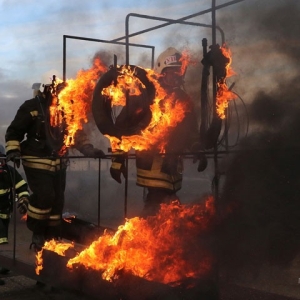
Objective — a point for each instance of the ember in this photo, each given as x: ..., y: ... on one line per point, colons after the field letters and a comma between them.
x: 166, y: 248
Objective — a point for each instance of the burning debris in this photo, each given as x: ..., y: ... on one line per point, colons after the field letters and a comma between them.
x: 169, y: 248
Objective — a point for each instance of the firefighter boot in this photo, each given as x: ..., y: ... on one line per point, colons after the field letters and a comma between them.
x: 4, y: 271
x: 38, y: 241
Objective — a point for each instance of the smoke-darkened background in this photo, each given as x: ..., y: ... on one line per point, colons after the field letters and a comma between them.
x: 260, y: 192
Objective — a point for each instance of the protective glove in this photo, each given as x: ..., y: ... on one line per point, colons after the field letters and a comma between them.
x: 90, y: 151
x: 23, y: 205
x: 202, y: 162
x: 199, y: 157
x: 14, y: 156
x: 118, y: 166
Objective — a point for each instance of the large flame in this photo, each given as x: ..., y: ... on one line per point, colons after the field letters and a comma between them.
x: 224, y: 95
x: 52, y: 245
x: 166, y: 110
x: 74, y: 101
x: 166, y: 248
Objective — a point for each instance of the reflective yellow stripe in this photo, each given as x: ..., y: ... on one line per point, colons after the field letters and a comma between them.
x: 34, y: 113
x: 4, y: 216
x: 116, y: 165
x: 36, y: 216
x: 37, y: 213
x: 55, y: 217
x: 3, y: 192
x: 159, y: 180
x: 158, y: 175
x: 12, y: 145
x: 54, y: 220
x: 20, y: 183
x: 41, y: 163
x: 3, y: 240
x: 39, y: 210
x: 23, y: 194
x: 159, y: 184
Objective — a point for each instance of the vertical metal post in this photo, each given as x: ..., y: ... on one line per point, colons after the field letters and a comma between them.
x: 216, y: 178
x: 64, y: 57
x: 99, y: 189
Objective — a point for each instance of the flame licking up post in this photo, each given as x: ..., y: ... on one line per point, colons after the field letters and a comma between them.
x: 224, y: 95
x: 165, y: 248
x: 74, y: 101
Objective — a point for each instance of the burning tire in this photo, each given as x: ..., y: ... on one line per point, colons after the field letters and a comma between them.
x: 135, y: 114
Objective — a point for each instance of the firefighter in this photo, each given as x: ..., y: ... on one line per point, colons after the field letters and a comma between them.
x: 45, y: 169
x: 12, y: 185
x: 160, y: 174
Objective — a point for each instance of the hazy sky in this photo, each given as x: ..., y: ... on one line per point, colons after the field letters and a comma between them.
x: 31, y: 34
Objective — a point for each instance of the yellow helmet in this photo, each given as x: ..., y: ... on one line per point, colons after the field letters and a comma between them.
x: 168, y: 59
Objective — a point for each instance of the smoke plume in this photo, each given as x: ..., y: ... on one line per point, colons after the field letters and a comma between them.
x: 260, y: 195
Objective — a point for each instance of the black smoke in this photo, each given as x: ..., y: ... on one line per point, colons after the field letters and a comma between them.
x: 259, y: 200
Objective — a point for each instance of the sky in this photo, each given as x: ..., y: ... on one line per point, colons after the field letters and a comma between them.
x: 262, y: 36
x: 32, y: 38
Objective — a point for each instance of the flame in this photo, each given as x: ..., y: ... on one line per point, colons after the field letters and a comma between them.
x: 224, y: 95
x: 52, y: 245
x: 24, y: 217
x: 74, y: 101
x: 125, y: 82
x: 39, y: 262
x: 69, y: 218
x: 164, y: 248
x: 167, y: 112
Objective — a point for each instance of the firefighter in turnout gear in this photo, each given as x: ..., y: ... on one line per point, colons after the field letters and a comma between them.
x: 12, y: 185
x: 44, y: 167
x: 161, y: 174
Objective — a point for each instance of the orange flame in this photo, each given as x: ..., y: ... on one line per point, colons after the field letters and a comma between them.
x: 224, y: 95
x: 126, y: 81
x: 157, y: 248
x: 52, y: 245
x: 74, y: 101
x: 166, y: 111
x: 24, y: 217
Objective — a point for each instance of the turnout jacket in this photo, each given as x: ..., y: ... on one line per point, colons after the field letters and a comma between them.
x: 165, y: 171
x: 27, y: 134
x: 29, y: 123
x: 8, y: 175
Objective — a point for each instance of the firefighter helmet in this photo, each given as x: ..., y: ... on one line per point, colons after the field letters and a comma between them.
x: 36, y: 88
x: 168, y: 59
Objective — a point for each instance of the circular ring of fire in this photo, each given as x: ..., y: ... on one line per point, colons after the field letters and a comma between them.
x: 138, y: 94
